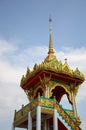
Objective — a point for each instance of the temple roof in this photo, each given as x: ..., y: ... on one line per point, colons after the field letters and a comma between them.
x: 52, y: 64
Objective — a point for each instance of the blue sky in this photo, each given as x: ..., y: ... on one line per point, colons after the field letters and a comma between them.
x: 24, y: 38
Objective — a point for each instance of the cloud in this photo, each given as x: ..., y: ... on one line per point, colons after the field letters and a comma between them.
x: 76, y: 57
x: 9, y: 74
x: 10, y: 96
x: 30, y: 56
x: 5, y: 46
x: 83, y: 125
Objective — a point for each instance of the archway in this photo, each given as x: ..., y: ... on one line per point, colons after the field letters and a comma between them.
x: 58, y: 92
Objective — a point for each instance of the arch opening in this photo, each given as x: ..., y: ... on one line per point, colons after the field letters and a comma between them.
x: 58, y: 92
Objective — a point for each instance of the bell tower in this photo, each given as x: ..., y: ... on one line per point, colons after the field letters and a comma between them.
x: 44, y: 87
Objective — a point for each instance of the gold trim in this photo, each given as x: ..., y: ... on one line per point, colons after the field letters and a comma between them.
x: 47, y: 110
x: 20, y: 120
x: 47, y: 103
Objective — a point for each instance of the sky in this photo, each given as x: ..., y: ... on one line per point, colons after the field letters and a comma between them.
x: 24, y: 39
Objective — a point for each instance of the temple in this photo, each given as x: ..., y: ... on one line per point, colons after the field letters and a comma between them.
x: 44, y: 87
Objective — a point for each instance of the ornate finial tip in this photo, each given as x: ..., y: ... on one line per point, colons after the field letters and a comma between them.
x: 65, y: 60
x: 50, y: 19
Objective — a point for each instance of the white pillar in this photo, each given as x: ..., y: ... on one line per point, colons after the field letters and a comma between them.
x: 38, y: 118
x: 74, y: 105
x: 55, y: 121
x: 29, y: 121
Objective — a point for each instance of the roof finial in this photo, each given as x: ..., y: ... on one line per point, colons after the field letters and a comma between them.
x: 65, y: 60
x: 51, y: 51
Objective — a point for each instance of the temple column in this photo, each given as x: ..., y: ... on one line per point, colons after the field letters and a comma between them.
x: 74, y: 105
x: 55, y: 121
x: 38, y: 114
x: 55, y: 125
x: 38, y: 118
x: 29, y: 121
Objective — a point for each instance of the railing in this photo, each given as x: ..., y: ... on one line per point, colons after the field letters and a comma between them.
x: 25, y: 109
x: 67, y: 117
x: 48, y: 103
x: 70, y: 113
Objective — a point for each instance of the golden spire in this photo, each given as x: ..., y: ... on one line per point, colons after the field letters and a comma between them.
x: 51, y: 51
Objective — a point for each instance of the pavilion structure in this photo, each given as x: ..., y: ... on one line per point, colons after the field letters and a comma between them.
x: 44, y: 86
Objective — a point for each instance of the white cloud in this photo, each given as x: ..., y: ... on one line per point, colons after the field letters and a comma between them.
x: 8, y: 73
x: 31, y: 55
x: 76, y: 57
x: 83, y: 125
x: 81, y: 93
x: 5, y: 46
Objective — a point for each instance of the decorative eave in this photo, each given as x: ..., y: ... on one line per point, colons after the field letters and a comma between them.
x: 54, y: 68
